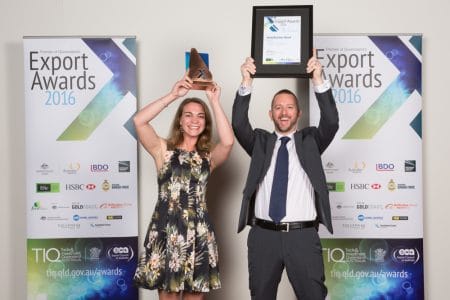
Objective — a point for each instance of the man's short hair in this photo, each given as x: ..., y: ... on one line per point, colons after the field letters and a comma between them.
x: 286, y: 91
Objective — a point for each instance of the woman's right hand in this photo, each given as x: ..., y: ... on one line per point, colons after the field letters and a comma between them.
x: 182, y: 87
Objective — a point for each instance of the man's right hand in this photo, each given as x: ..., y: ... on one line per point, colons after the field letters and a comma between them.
x: 248, y: 69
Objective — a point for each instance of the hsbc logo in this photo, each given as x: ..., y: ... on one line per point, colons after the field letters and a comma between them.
x: 376, y: 186
x: 359, y: 186
x: 80, y: 187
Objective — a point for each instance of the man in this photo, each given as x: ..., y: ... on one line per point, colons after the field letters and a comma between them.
x: 286, y: 195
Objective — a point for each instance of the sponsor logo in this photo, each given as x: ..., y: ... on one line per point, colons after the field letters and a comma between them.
x: 77, y: 205
x: 37, y: 206
x: 378, y: 255
x: 338, y: 186
x: 402, y: 186
x: 359, y: 186
x: 405, y: 255
x: 100, y: 225
x: 44, y: 169
x: 330, y: 168
x: 410, y: 165
x: 381, y: 226
x: 120, y: 253
x: 341, y: 206
x: 115, y: 217
x: 69, y: 226
x: 53, y: 218
x: 116, y: 186
x: 399, y: 205
x: 114, y: 205
x: 52, y: 187
x: 124, y: 166
x: 357, y: 167
x: 375, y: 186
x: 354, y: 226
x: 80, y: 187
x: 99, y: 168
x: 399, y: 218
x: 341, y: 218
x: 92, y: 253
x: 363, y: 205
x: 72, y: 168
x: 392, y: 186
x: 364, y: 217
x: 77, y: 218
x: 381, y: 167
x: 106, y: 185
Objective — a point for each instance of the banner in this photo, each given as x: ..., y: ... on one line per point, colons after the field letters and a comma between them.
x: 81, y: 158
x: 374, y: 166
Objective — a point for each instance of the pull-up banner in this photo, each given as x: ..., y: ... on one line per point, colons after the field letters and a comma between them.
x: 81, y: 167
x: 374, y: 166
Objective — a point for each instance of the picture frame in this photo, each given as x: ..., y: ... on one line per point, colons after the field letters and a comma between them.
x: 282, y: 40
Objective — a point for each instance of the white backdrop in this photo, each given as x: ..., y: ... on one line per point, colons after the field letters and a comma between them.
x: 164, y: 31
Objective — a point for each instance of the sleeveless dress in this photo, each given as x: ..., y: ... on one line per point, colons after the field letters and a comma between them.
x: 180, y: 246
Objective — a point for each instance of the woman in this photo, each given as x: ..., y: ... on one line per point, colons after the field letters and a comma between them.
x: 180, y: 258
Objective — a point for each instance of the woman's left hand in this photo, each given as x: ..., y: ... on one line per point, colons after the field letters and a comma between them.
x: 213, y: 92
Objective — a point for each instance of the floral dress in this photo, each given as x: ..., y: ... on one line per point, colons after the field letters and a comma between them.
x: 180, y: 246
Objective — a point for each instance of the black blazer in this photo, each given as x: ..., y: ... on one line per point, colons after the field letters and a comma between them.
x: 310, y: 143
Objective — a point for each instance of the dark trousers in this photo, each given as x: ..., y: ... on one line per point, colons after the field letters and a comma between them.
x: 299, y: 251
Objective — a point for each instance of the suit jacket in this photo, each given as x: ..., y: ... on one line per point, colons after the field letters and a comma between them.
x: 310, y: 143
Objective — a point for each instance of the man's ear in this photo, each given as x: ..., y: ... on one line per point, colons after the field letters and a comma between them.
x: 270, y: 115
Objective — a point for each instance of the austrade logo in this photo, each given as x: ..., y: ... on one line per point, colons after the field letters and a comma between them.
x: 44, y: 169
x: 338, y: 186
x: 120, y: 253
x: 410, y: 166
x: 52, y: 187
x: 405, y: 255
x: 385, y: 167
x: 99, y: 168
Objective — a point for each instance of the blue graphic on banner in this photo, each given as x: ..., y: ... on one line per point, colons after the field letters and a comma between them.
x: 122, y: 82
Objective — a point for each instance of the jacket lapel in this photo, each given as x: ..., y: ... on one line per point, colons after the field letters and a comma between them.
x: 272, y: 139
x: 299, y: 145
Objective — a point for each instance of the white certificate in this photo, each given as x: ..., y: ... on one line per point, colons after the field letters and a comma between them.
x: 281, y: 42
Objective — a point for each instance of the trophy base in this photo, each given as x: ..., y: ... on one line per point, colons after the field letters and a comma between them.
x: 201, y: 85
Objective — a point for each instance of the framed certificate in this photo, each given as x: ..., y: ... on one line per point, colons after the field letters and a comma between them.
x: 282, y: 40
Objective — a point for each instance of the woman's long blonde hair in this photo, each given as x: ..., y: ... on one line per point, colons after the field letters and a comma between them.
x: 175, y: 138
